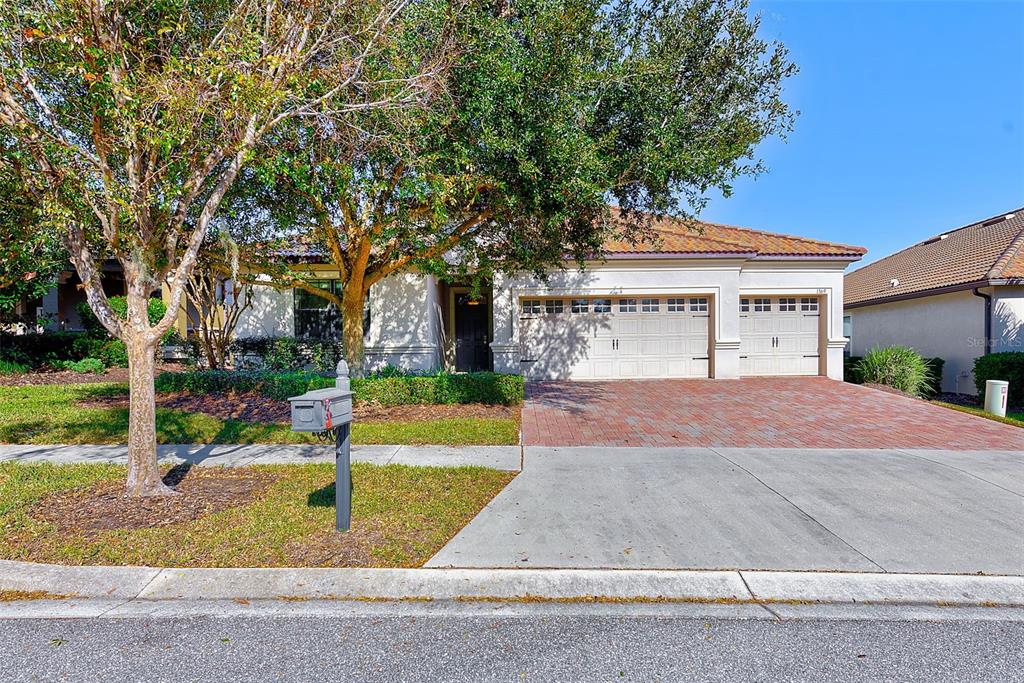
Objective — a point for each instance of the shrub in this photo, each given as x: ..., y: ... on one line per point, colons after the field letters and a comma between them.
x: 277, y: 385
x: 443, y: 388
x: 286, y: 353
x: 935, y: 367
x: 477, y: 387
x: 93, y: 327
x: 39, y: 349
x: 851, y: 370
x: 1005, y: 365
x: 8, y: 367
x: 112, y: 352
x: 899, y: 367
x: 92, y: 365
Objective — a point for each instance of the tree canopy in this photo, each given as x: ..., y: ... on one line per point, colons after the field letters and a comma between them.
x: 553, y: 110
x: 132, y: 120
x: 31, y: 253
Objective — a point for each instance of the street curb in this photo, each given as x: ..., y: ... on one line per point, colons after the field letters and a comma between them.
x: 513, y: 585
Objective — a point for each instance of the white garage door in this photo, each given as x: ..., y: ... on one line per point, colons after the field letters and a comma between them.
x: 779, y: 335
x: 614, y: 338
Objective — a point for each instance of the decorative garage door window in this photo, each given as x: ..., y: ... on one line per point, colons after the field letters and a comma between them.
x: 787, y: 304
x: 580, y: 305
x: 744, y: 305
x: 627, y: 305
x: 554, y: 306
x: 677, y: 305
x: 650, y: 305
x: 602, y: 305
x: 809, y: 303
x: 699, y: 305
x: 531, y: 306
x: 762, y: 305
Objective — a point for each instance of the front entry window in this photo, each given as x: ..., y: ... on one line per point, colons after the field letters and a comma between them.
x: 315, y: 316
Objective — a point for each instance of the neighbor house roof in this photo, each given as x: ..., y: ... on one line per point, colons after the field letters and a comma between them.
x: 675, y: 237
x: 987, y: 252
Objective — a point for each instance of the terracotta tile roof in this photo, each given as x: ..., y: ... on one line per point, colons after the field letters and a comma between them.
x: 697, y: 237
x: 992, y: 249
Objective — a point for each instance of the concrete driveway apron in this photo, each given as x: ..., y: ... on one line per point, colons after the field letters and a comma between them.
x: 852, y: 510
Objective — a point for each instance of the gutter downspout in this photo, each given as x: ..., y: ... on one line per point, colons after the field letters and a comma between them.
x: 988, y: 316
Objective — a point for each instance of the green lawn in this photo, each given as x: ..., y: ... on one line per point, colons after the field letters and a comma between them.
x: 50, y: 414
x: 401, y: 516
x: 1012, y: 418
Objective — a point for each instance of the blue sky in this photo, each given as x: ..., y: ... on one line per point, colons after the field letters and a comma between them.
x: 912, y: 122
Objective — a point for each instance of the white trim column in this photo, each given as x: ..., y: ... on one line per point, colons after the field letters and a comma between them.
x: 504, y: 345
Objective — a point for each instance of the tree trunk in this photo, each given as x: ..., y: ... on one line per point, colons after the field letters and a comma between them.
x: 353, y: 300
x: 143, y: 471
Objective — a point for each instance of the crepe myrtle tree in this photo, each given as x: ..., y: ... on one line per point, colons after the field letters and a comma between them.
x: 554, y: 109
x: 131, y: 121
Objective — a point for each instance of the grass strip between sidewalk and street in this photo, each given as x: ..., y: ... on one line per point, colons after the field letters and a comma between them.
x: 50, y: 414
x: 261, y: 516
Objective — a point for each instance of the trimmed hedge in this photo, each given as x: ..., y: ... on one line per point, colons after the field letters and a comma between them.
x: 1005, y: 365
x: 443, y: 388
x: 277, y: 385
x: 285, y: 353
x: 36, y: 350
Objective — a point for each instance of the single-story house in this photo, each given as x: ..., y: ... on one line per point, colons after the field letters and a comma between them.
x: 723, y: 303
x: 956, y: 296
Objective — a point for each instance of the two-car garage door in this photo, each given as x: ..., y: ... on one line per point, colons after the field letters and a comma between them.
x: 649, y: 337
x: 615, y: 338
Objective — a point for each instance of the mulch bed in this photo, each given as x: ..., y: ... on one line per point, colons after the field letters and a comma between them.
x: 39, y: 377
x: 254, y: 407
x: 203, y: 491
x: 960, y: 400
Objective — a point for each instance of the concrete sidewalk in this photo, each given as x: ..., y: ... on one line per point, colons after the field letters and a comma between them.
x: 496, y: 457
x: 952, y: 512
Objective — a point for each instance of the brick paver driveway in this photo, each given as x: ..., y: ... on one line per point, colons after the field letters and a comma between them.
x: 766, y: 412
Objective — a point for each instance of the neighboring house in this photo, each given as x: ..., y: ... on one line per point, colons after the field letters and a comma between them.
x: 955, y: 296
x: 724, y: 303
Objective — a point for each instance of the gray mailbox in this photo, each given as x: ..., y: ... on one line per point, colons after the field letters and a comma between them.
x: 321, y: 410
x: 329, y: 412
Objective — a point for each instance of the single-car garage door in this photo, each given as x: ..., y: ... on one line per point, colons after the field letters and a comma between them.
x: 614, y: 338
x: 779, y: 335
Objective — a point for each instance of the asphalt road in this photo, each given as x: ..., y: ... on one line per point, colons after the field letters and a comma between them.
x: 541, y: 646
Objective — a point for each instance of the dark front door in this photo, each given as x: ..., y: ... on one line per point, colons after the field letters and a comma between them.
x: 472, y: 352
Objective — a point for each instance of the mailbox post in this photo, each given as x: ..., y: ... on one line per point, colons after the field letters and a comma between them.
x: 328, y: 412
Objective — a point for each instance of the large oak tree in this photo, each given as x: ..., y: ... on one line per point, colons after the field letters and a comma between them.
x: 555, y: 108
x: 131, y: 119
